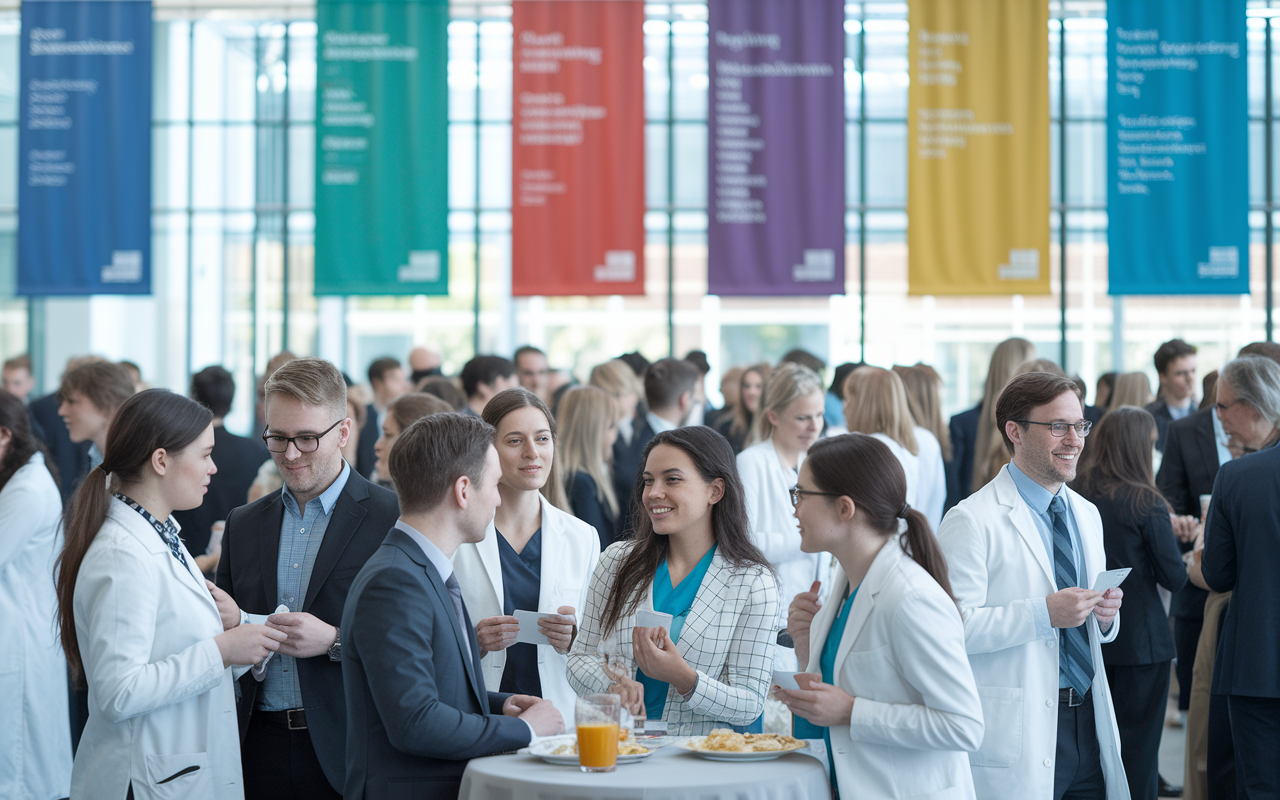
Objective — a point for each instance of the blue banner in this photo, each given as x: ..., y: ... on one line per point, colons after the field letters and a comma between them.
x: 84, y: 148
x: 1177, y: 147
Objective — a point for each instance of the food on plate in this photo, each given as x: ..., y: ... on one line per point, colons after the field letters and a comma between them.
x: 624, y: 749
x: 722, y: 740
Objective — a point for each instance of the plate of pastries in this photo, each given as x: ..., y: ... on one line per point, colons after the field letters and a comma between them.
x: 723, y: 744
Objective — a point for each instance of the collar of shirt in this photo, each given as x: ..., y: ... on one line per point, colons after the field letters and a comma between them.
x: 163, y: 528
x: 1033, y: 493
x: 1220, y: 439
x: 1182, y: 411
x: 95, y: 456
x: 328, y: 498
x: 658, y: 423
x: 434, y: 554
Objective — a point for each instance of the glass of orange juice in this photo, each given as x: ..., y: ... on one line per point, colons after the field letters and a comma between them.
x: 597, y: 717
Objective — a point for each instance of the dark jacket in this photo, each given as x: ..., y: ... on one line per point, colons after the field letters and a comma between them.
x: 1160, y: 410
x: 627, y: 467
x: 964, y: 435
x: 416, y: 711
x: 238, y: 459
x: 584, y: 501
x: 71, y: 459
x: 1142, y: 540
x: 1187, y: 471
x: 247, y: 572
x: 366, y: 456
x: 1242, y: 556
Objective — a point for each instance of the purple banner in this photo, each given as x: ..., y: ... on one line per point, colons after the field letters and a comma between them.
x: 776, y: 215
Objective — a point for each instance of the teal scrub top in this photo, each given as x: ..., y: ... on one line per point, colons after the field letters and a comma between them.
x: 676, y: 601
x: 803, y: 728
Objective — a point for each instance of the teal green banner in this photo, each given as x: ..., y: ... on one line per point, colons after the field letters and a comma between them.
x: 381, y: 147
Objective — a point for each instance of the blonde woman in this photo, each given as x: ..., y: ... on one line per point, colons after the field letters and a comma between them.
x: 875, y: 403
x: 589, y: 426
x: 1132, y: 389
x: 737, y: 425
x: 974, y: 433
x: 790, y: 420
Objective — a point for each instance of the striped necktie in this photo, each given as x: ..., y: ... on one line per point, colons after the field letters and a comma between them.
x: 1076, y: 662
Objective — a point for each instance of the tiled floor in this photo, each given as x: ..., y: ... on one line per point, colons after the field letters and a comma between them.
x: 1172, y: 751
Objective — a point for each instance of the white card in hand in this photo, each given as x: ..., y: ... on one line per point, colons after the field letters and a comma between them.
x: 653, y: 619
x: 529, y: 631
x: 259, y: 670
x: 785, y: 680
x: 1110, y: 579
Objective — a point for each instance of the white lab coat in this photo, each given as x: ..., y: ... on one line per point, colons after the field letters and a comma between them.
x: 1000, y: 572
x: 902, y: 656
x: 570, y: 550
x: 160, y: 700
x: 926, y: 474
x: 35, y: 734
x: 774, y: 529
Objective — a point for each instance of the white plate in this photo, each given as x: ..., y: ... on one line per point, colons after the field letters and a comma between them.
x: 543, y: 750
x: 691, y: 744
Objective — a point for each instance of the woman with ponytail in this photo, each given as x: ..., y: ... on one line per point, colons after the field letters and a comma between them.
x: 138, y: 623
x: 888, y: 684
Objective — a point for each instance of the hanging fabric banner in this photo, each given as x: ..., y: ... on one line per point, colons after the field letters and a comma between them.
x: 577, y: 211
x: 978, y: 147
x: 1177, y: 147
x: 84, y: 148
x: 776, y: 201
x: 382, y: 161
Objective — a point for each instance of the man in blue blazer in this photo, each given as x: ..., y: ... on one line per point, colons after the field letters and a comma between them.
x: 1242, y: 556
x: 417, y: 707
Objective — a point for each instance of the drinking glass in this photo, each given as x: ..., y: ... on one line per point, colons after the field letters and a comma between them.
x: 597, y: 717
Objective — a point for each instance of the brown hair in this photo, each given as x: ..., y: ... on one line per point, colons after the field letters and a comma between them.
x: 1004, y: 363
x: 23, y: 444
x: 923, y: 385
x: 431, y: 454
x: 1209, y: 390
x: 509, y: 400
x: 310, y: 381
x: 151, y: 420
x: 102, y: 383
x: 875, y: 401
x: 1027, y: 392
x: 667, y: 380
x: 410, y: 407
x: 444, y: 388
x: 712, y: 458
x: 865, y: 470
x: 1118, y: 459
x: 743, y: 417
x: 998, y: 456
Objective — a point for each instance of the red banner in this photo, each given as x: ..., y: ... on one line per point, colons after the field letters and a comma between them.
x: 578, y: 163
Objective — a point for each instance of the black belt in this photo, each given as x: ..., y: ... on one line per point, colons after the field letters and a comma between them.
x: 295, y: 719
x: 1070, y: 697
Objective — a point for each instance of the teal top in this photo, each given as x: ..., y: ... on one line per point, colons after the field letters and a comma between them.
x: 804, y: 729
x: 676, y: 601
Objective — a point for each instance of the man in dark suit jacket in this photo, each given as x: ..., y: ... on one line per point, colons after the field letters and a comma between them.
x: 386, y: 378
x: 1242, y: 556
x: 417, y: 705
x: 301, y: 548
x: 1175, y: 362
x: 964, y: 435
x: 1187, y: 471
x: 238, y: 459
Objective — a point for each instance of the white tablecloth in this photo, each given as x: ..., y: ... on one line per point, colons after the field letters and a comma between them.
x: 671, y: 774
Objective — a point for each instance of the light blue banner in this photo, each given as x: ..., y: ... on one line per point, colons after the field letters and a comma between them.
x: 1177, y: 147
x: 84, y: 148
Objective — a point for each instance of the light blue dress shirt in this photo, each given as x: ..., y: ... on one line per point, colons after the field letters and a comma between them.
x: 301, y: 533
x: 659, y: 424
x: 1038, y: 499
x: 1220, y: 439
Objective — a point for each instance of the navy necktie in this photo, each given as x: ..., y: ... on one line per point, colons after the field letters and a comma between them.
x: 1076, y: 662
x: 455, y: 594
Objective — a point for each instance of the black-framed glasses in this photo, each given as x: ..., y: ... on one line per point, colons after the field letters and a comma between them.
x: 796, y: 493
x: 1060, y: 429
x: 306, y: 443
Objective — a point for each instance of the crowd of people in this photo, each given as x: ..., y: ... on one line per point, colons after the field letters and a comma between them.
x: 340, y: 607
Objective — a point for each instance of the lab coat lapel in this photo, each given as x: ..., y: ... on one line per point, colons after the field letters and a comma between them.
x: 552, y: 552
x: 820, y: 628
x: 487, y: 549
x: 865, y: 600
x: 150, y: 538
x: 1022, y: 521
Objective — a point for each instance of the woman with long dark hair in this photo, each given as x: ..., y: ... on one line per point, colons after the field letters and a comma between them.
x: 534, y: 557
x: 888, y: 683
x: 692, y: 558
x: 1115, y: 474
x: 138, y: 623
x: 34, y: 702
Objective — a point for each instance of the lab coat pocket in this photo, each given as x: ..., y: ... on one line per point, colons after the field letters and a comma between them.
x: 1002, y: 742
x: 182, y: 775
x: 872, y: 674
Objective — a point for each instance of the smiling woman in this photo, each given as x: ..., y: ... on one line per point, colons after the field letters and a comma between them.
x: 691, y: 558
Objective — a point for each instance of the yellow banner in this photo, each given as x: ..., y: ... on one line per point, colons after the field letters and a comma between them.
x: 978, y: 147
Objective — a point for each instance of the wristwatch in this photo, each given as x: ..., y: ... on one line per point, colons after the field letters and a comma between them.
x: 335, y: 651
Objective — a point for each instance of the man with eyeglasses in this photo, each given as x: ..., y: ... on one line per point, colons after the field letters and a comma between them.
x: 1023, y: 554
x: 300, y: 548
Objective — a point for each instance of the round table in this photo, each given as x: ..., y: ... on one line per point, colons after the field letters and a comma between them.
x: 671, y: 774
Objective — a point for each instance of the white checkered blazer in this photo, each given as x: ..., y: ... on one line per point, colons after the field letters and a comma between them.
x: 729, y: 638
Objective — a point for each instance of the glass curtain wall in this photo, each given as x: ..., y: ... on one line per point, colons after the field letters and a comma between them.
x: 233, y: 215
